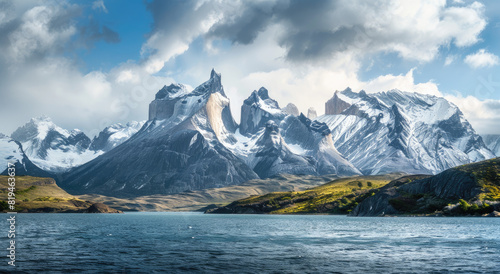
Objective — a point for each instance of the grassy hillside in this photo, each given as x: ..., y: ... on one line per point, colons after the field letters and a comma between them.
x: 339, y: 196
x: 472, y: 189
x: 34, y: 194
x: 196, y: 200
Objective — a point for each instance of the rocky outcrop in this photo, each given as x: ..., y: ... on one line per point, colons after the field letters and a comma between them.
x: 426, y: 194
x: 291, y: 109
x: 180, y: 153
x: 417, y: 133
x: 101, y: 208
x: 257, y: 110
x: 335, y: 105
x: 274, y: 157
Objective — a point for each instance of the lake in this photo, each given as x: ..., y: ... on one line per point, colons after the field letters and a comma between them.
x: 199, y: 243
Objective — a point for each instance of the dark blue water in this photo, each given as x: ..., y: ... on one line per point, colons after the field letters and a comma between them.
x: 197, y: 243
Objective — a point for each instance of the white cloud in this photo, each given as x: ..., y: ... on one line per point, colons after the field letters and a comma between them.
x: 99, y: 5
x: 482, y: 114
x: 481, y: 59
x: 414, y: 30
x: 35, y: 35
x: 449, y: 60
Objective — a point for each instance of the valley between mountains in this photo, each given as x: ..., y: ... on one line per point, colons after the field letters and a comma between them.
x: 191, y: 154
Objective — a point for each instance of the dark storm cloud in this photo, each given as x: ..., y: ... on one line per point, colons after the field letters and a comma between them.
x: 251, y: 19
x: 93, y: 32
x: 167, y: 14
x: 307, y: 45
x: 309, y: 33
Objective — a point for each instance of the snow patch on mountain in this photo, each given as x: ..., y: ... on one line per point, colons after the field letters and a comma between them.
x: 394, y: 130
x: 10, y: 152
x: 492, y: 141
x: 114, y: 135
x: 53, y: 148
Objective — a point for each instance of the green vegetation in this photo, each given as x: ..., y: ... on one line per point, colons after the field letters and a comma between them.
x: 339, y: 196
x: 35, y: 194
x: 487, y: 175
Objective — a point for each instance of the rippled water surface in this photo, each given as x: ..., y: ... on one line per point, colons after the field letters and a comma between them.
x: 198, y: 243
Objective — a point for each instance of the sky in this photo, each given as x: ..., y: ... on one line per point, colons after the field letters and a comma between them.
x: 90, y: 64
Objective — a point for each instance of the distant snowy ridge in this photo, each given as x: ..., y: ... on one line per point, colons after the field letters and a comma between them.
x: 492, y: 141
x: 401, y: 131
x: 55, y: 149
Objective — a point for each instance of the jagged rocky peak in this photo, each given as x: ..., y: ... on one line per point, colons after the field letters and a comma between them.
x: 336, y: 105
x: 274, y: 157
x: 311, y: 113
x: 184, y: 150
x: 257, y: 109
x: 175, y: 101
x: 315, y: 125
x: 291, y: 109
x: 173, y: 90
x: 51, y: 147
x: 414, y: 132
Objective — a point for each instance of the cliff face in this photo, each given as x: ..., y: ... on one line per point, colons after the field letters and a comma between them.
x: 335, y: 105
x: 477, y: 184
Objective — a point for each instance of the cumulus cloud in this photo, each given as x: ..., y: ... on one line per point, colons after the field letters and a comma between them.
x: 99, y: 5
x: 302, y: 51
x: 449, y: 60
x: 36, y: 78
x: 482, y: 114
x: 320, y: 29
x: 481, y: 59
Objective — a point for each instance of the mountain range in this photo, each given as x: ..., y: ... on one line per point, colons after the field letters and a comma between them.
x: 191, y: 141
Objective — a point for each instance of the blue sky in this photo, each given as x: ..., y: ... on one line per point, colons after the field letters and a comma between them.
x: 90, y: 64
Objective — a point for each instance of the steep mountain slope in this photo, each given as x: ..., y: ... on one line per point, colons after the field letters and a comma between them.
x: 273, y: 142
x: 394, y: 131
x: 257, y: 110
x: 468, y: 189
x: 115, y: 135
x: 492, y: 141
x: 179, y: 148
x: 52, y: 148
x: 12, y: 152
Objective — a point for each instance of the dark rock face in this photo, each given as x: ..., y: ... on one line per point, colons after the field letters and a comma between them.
x: 315, y: 137
x: 274, y: 157
x: 335, y: 105
x: 163, y: 105
x: 257, y: 110
x: 22, y: 165
x: 417, y: 133
x: 379, y: 204
x: 288, y: 143
x: 425, y: 194
x: 183, y: 152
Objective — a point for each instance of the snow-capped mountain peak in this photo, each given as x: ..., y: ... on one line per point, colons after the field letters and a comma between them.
x: 51, y: 147
x: 401, y: 130
x: 257, y: 109
x: 172, y: 91
x: 114, y: 135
